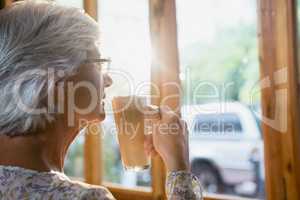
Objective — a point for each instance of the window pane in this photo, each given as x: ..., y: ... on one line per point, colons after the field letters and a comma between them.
x: 125, y: 39
x: 219, y: 71
x: 74, y: 159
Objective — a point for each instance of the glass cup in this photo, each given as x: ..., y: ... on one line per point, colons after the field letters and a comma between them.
x: 130, y: 122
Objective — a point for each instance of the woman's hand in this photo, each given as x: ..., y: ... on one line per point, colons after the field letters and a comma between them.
x: 169, y: 139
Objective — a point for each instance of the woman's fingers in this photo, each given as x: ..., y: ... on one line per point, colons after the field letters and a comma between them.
x: 151, y: 112
x: 148, y: 144
x: 153, y: 152
x: 184, y: 127
x: 165, y: 112
x: 168, y: 115
x: 149, y: 149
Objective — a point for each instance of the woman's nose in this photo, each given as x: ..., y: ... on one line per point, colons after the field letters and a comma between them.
x: 107, y: 80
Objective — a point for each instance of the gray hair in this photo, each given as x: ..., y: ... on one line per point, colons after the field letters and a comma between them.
x: 37, y: 36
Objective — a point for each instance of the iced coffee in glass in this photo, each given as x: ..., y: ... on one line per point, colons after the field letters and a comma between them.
x: 130, y: 121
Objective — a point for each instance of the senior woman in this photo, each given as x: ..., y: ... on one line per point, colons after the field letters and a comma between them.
x: 49, y: 76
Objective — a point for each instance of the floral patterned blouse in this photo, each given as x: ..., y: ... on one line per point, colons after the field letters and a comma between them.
x: 18, y: 183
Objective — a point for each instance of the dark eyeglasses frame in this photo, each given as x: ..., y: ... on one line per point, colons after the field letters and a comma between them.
x: 98, y: 60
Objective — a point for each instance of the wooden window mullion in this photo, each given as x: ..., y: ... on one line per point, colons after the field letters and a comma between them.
x: 278, y: 52
x: 93, y: 166
x: 164, y: 73
x: 4, y: 3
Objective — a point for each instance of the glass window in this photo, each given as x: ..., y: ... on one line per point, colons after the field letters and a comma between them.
x: 74, y: 159
x: 219, y: 70
x: 125, y: 39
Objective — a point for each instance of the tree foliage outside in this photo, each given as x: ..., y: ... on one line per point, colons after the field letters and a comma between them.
x: 74, y: 160
x: 230, y: 61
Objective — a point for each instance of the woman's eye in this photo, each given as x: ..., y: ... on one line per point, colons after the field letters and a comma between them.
x: 98, y: 66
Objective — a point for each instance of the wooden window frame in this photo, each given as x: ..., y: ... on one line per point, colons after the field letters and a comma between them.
x: 4, y: 3
x: 277, y: 47
x: 278, y: 51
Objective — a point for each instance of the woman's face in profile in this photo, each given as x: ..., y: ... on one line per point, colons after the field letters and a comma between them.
x: 86, y: 92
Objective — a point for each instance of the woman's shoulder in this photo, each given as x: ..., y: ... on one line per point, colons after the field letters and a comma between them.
x: 90, y: 192
x: 17, y: 182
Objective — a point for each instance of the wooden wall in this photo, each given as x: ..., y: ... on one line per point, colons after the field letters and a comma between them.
x: 280, y: 99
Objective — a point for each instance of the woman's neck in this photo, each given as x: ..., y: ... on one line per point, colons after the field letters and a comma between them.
x: 44, y: 151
